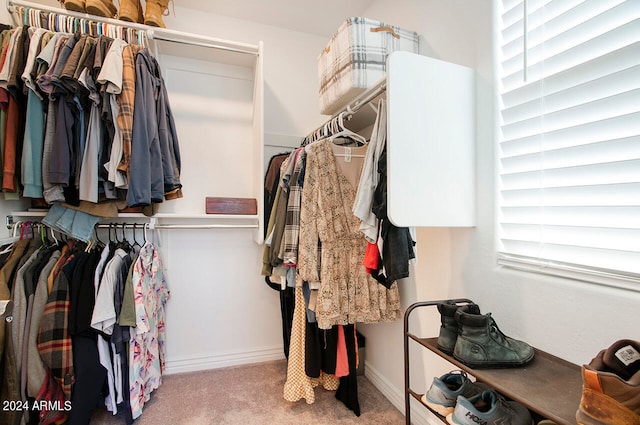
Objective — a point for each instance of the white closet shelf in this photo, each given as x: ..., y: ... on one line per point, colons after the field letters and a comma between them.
x: 167, y: 41
x: 172, y: 220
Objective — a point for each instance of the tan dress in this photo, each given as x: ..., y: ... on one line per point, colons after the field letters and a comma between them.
x: 347, y: 294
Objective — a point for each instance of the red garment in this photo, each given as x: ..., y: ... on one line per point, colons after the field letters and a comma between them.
x: 371, y: 256
x: 342, y: 360
x: 52, y: 395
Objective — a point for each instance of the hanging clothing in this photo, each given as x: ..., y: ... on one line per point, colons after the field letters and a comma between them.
x: 33, y: 143
x: 369, y: 177
x: 36, y: 369
x: 347, y: 294
x: 397, y: 242
x: 347, y: 392
x: 67, y: 112
x: 147, y: 341
x: 155, y: 155
x: 298, y: 384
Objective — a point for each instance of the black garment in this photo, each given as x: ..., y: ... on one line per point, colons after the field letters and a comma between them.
x: 83, y: 296
x: 120, y: 339
x: 74, y: 272
x: 90, y: 376
x: 287, y: 302
x: 321, y: 347
x: 348, y: 389
x: 398, y: 244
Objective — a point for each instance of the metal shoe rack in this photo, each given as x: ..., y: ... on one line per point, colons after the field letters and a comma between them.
x: 549, y: 386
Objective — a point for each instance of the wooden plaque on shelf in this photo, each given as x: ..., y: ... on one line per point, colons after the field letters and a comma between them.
x: 242, y: 206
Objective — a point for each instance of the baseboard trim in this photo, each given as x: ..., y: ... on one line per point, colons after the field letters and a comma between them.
x: 220, y: 360
x: 420, y: 415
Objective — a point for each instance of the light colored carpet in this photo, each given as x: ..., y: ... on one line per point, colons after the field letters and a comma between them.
x: 252, y: 394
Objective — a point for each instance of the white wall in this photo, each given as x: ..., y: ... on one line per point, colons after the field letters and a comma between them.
x: 569, y: 319
x: 572, y: 320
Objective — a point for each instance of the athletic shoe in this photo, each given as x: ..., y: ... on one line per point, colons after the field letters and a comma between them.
x: 489, y: 408
x: 444, y: 391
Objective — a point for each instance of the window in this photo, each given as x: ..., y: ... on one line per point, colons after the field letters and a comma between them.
x: 569, y: 154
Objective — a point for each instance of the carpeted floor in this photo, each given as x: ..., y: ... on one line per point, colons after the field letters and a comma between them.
x: 252, y: 394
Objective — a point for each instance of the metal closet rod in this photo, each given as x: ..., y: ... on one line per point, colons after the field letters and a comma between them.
x: 152, y: 32
x: 364, y: 99
x: 203, y: 226
x: 152, y: 225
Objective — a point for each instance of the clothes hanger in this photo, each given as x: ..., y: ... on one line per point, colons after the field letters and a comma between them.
x: 11, y: 240
x: 144, y: 232
x: 135, y: 241
x: 53, y: 236
x: 345, y: 132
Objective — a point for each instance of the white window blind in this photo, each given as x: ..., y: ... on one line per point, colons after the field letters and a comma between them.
x: 569, y: 151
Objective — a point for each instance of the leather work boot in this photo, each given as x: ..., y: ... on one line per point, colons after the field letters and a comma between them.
x: 481, y: 344
x: 448, y: 325
x: 131, y: 11
x: 154, y: 12
x: 611, y: 386
x: 74, y: 5
x: 104, y: 8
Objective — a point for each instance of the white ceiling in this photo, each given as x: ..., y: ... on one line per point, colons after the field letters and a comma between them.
x: 296, y: 15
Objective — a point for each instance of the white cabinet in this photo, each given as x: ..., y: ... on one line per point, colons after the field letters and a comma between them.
x: 431, y: 142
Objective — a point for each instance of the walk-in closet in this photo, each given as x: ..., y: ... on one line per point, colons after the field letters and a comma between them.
x: 244, y: 211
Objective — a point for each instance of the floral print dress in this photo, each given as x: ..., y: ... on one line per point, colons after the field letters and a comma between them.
x: 147, y: 351
x: 346, y: 294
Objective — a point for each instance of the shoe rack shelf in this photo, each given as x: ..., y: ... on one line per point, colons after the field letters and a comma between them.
x: 549, y: 386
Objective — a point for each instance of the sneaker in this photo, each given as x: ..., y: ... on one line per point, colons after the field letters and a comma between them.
x: 444, y: 391
x: 489, y: 408
x: 611, y: 386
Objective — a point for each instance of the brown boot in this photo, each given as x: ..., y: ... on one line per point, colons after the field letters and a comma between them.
x: 611, y: 386
x: 104, y: 8
x: 154, y: 12
x: 131, y: 11
x: 74, y: 5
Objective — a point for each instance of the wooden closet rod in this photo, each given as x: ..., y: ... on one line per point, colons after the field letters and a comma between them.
x: 152, y: 32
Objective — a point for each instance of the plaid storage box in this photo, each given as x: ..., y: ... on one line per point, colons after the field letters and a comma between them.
x: 355, y: 59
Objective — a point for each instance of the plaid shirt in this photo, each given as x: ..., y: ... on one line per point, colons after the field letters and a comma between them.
x: 126, y: 100
x: 54, y: 341
x: 292, y: 220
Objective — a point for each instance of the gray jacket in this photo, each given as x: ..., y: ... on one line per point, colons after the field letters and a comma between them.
x: 155, y: 155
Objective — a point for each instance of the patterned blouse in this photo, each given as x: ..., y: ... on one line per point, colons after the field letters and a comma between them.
x: 147, y: 351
